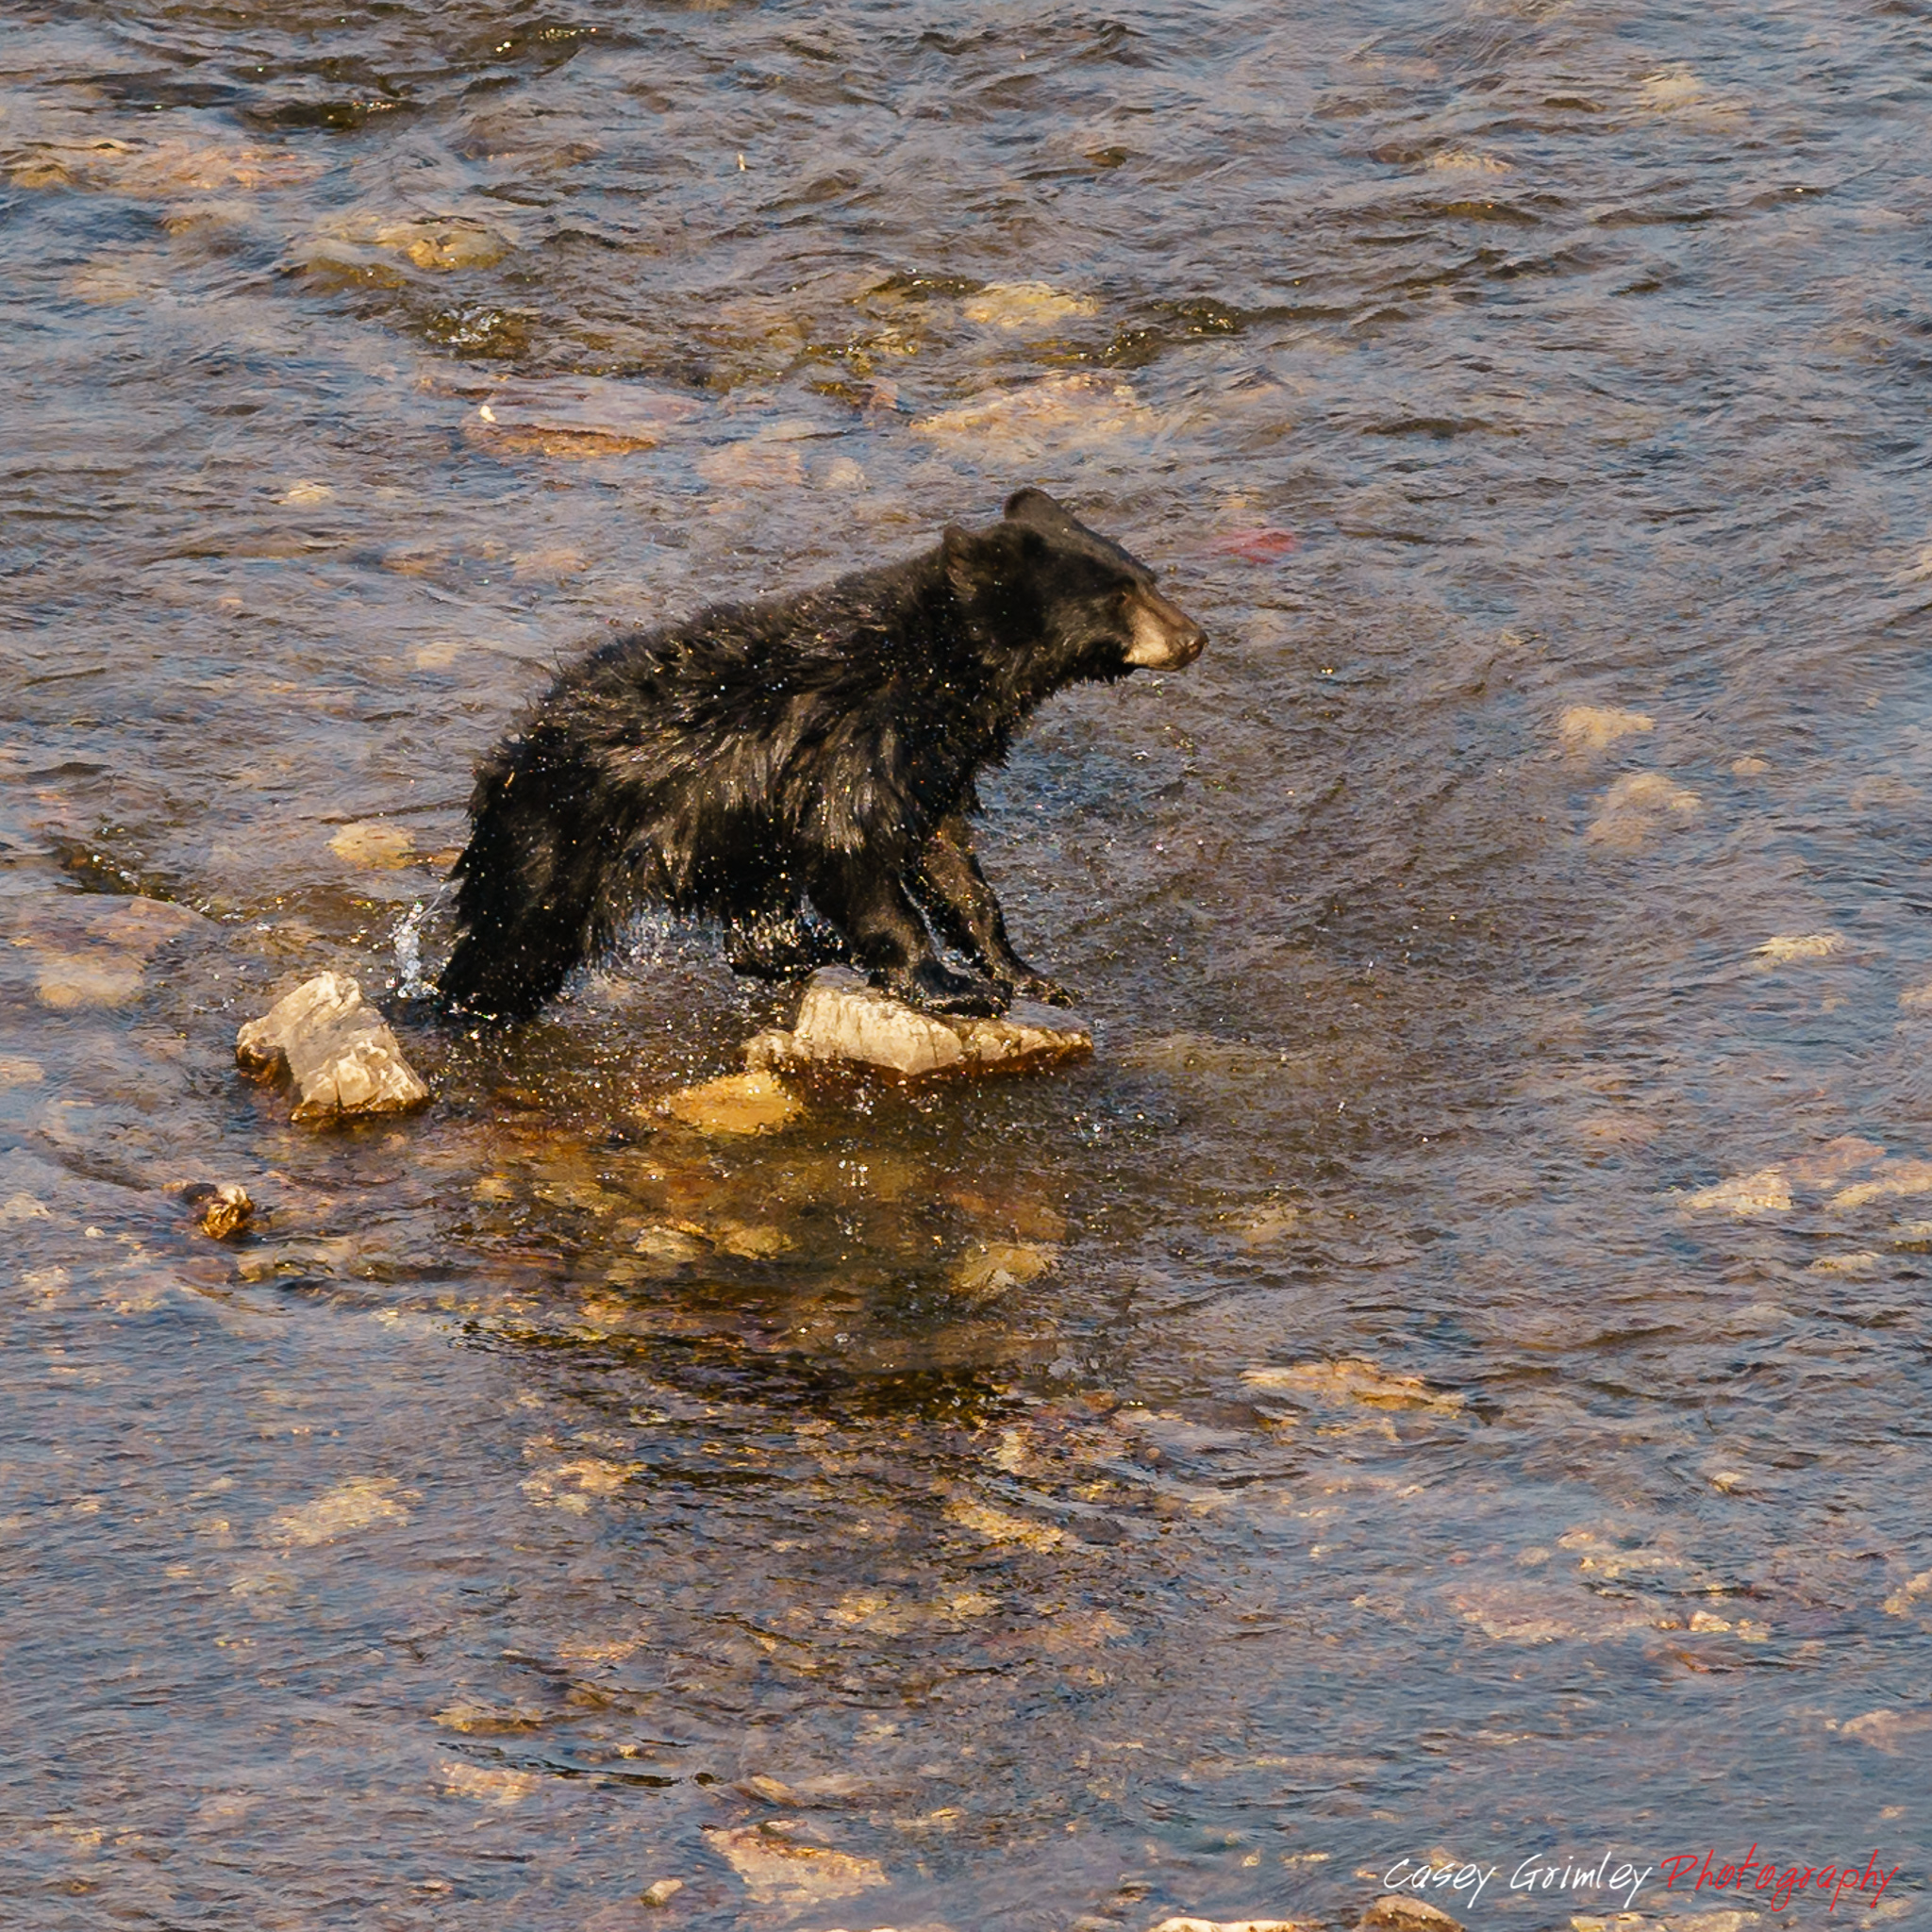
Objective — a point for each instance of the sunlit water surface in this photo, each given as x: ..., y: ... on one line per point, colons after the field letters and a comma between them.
x: 1447, y: 1380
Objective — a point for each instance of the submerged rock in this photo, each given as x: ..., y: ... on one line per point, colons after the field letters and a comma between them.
x: 991, y: 1268
x: 1767, y: 1192
x: 576, y: 416
x: 1025, y: 304
x: 373, y: 845
x: 89, y: 949
x: 777, y: 1870
x: 754, y: 1102
x: 844, y: 1021
x: 1083, y: 409
x: 1592, y: 727
x: 338, y: 1055
x: 1638, y: 806
x: 1353, y: 1381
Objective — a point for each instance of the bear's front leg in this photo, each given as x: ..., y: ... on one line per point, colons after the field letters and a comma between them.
x: 965, y: 911
x: 889, y: 939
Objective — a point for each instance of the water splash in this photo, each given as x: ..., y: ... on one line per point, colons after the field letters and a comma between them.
x: 408, y: 982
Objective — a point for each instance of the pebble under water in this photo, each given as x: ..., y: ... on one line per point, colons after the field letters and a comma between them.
x: 1446, y: 1382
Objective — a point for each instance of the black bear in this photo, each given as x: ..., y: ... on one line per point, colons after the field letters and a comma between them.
x: 801, y: 768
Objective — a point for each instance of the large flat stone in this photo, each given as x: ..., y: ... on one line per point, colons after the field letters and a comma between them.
x: 843, y: 1022
x: 337, y: 1054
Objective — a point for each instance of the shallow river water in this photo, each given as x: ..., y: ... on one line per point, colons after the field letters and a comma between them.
x: 1447, y: 1381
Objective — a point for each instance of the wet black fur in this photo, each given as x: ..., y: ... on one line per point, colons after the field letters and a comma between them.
x: 812, y: 751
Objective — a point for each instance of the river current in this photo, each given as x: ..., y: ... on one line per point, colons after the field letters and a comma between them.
x: 1446, y: 1382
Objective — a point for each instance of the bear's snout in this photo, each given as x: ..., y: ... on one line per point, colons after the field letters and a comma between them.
x: 1162, y: 636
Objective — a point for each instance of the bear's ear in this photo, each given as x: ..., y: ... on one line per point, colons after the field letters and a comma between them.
x: 965, y: 559
x: 976, y: 560
x: 1036, y: 506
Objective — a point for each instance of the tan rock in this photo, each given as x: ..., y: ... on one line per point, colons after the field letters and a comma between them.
x: 1890, y: 1731
x: 670, y: 1246
x: 1841, y: 1156
x: 1026, y: 305
x: 362, y: 1502
x: 88, y: 948
x: 1025, y: 1034
x: 67, y: 980
x: 490, y: 1720
x: 1463, y: 160
x: 748, y: 1240
x: 1394, y: 1911
x: 224, y: 1211
x: 1893, y: 1179
x: 1675, y: 89
x: 1355, y: 1381
x: 1639, y: 804
x: 842, y: 1021
x: 1901, y: 1601
x: 112, y: 279
x: 1268, y: 1226
x: 754, y: 1102
x: 1185, y: 1925
x: 770, y: 1051
x: 1050, y: 413
x: 1858, y: 1267
x: 841, y: 1018
x: 576, y: 416
x: 991, y: 1268
x: 489, y: 1784
x: 350, y: 242
x: 771, y: 1791
x: 757, y: 462
x: 1590, y: 727
x: 1002, y: 1526
x: 157, y: 169
x: 1789, y: 947
x: 777, y: 1871
x: 588, y: 1475
x: 338, y: 1055
x: 373, y: 845
x: 1767, y: 1192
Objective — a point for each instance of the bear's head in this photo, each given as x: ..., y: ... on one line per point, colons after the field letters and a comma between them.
x: 1062, y: 602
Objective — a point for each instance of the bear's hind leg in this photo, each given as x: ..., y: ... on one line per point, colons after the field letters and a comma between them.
x: 889, y: 939
x: 529, y: 906
x: 965, y: 912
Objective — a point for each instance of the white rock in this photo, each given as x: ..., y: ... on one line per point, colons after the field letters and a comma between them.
x: 1231, y: 1925
x: 337, y: 1054
x: 842, y: 1021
